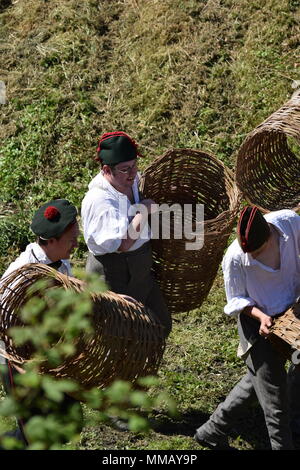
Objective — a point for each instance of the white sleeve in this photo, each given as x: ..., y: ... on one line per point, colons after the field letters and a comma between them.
x: 235, y: 287
x: 108, y: 230
x: 23, y: 258
x: 103, y: 228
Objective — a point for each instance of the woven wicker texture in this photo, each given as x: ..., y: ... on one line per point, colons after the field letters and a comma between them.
x: 268, y: 162
x: 185, y: 176
x: 127, y: 342
x: 285, y: 331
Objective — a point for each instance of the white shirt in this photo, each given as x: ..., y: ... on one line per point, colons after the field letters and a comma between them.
x: 32, y: 254
x: 248, y: 282
x: 35, y: 254
x: 105, y: 214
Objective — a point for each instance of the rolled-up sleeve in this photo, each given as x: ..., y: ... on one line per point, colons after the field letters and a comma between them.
x: 108, y: 230
x: 235, y: 287
x: 104, y: 226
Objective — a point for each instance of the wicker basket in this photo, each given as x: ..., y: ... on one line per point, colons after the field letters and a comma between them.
x: 186, y: 176
x: 127, y: 342
x: 268, y: 162
x: 285, y: 331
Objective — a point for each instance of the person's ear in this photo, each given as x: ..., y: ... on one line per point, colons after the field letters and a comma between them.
x: 106, y: 169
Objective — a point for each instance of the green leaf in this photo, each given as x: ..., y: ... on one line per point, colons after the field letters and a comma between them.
x: 141, y: 399
x: 137, y: 423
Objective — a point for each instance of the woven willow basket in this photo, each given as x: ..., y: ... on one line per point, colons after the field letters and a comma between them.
x: 186, y: 176
x: 127, y: 342
x: 268, y: 162
x: 285, y: 331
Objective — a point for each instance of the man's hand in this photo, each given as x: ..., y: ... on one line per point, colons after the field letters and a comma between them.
x: 265, y: 320
x: 150, y: 205
x: 265, y: 324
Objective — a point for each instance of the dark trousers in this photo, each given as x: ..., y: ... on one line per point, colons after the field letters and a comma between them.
x: 130, y: 273
x: 266, y: 381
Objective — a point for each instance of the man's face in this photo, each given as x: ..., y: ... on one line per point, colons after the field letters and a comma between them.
x: 122, y: 175
x: 64, y: 246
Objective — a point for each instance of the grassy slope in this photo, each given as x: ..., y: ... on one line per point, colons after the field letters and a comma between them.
x: 172, y: 74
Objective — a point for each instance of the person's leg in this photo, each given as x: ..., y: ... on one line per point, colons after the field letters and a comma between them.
x: 294, y: 394
x: 155, y: 301
x: 269, y: 378
x: 94, y: 266
x: 223, y: 418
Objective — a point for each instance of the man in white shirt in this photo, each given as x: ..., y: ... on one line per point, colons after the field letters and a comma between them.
x: 56, y: 227
x: 56, y: 239
x: 117, y: 236
x: 262, y: 279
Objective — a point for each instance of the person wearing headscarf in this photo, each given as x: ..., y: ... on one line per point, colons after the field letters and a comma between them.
x: 261, y: 270
x: 118, y: 237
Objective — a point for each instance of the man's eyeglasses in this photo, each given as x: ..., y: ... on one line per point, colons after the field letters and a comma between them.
x: 127, y: 170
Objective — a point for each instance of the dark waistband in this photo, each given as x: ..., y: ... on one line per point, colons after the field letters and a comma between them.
x: 143, y: 249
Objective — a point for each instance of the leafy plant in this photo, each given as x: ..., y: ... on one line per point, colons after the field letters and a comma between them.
x: 51, y: 324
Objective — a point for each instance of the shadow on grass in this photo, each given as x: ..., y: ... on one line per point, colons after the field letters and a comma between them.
x: 4, y: 4
x: 248, y: 432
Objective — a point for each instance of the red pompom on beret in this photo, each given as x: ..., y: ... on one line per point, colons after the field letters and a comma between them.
x: 51, y: 213
x: 52, y: 218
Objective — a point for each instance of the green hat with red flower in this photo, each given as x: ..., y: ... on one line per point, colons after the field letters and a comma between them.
x: 52, y: 218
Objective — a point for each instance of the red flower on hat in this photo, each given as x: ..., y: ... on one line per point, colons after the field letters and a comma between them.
x: 51, y: 212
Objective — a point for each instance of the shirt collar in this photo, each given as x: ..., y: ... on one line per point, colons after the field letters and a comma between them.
x: 41, y: 257
x: 102, y: 183
x: 38, y: 253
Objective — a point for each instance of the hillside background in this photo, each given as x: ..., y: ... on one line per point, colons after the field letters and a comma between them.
x: 172, y: 73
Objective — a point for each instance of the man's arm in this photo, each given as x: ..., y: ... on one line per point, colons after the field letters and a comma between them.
x: 265, y: 320
x: 137, y: 224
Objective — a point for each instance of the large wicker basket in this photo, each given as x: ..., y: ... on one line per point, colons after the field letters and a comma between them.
x: 285, y: 332
x: 268, y: 162
x: 127, y: 342
x: 186, y: 176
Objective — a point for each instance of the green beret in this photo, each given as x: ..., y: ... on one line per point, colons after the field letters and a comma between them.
x: 53, y: 218
x: 116, y: 147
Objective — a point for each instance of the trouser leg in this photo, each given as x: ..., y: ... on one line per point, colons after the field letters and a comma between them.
x: 157, y: 305
x: 294, y: 397
x: 94, y: 266
x: 266, y: 380
x: 223, y: 418
x: 269, y: 379
x: 132, y: 277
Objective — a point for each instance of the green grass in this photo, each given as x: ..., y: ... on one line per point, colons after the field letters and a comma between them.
x: 198, y: 370
x: 191, y: 73
x: 172, y: 74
